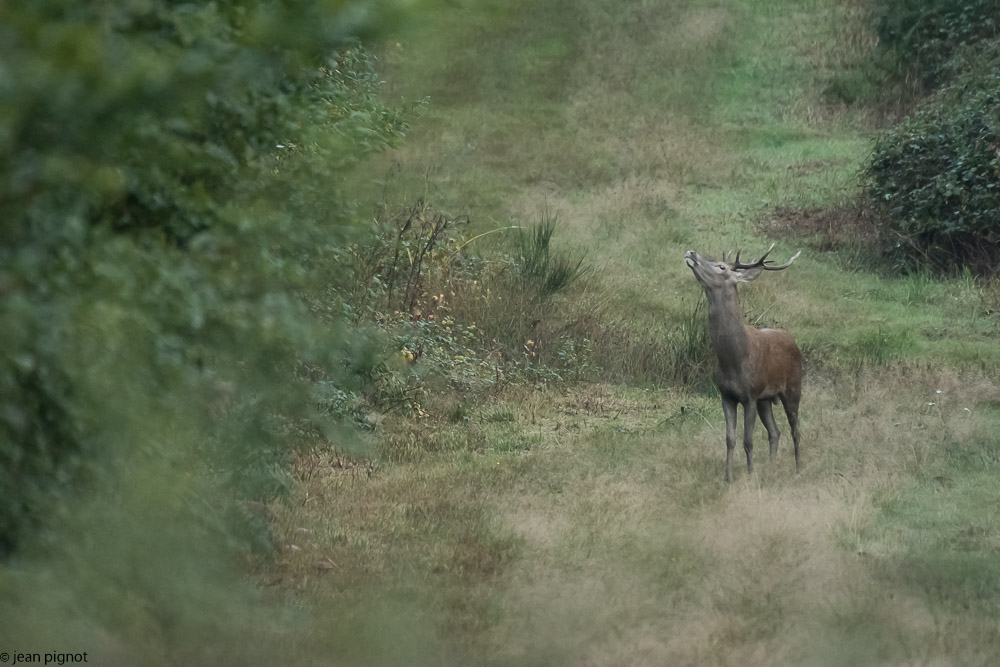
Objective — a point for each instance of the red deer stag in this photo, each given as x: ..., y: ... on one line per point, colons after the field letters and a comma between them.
x: 756, y: 366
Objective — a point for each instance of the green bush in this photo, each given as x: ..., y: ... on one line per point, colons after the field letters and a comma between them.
x: 935, y: 178
x: 172, y: 197
x: 917, y: 38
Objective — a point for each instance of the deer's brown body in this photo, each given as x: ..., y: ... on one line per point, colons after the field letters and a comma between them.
x: 756, y: 367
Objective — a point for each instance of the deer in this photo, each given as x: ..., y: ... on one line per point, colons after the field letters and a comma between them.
x: 756, y: 367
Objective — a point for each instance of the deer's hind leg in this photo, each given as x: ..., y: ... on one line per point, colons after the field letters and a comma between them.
x: 790, y: 401
x: 767, y: 417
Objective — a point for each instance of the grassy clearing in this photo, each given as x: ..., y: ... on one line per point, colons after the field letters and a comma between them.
x: 593, y: 527
x: 589, y: 523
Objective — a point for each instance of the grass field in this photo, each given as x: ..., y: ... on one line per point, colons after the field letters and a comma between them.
x: 588, y: 523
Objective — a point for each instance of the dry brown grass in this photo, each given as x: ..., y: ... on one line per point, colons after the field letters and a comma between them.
x: 617, y: 568
x: 614, y: 540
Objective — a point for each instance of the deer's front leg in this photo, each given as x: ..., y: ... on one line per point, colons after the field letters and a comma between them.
x: 749, y: 422
x: 729, y: 409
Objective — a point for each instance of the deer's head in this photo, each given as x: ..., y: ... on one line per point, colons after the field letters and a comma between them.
x: 715, y: 274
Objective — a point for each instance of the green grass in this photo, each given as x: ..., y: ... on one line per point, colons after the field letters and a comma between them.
x: 588, y: 523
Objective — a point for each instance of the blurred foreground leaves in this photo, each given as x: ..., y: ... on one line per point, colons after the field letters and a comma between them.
x: 170, y: 190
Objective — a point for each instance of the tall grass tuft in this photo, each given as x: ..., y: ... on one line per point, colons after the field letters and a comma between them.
x: 545, y: 271
x: 668, y: 349
x: 689, y: 345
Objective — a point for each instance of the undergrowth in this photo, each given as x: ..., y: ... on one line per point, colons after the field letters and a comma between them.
x: 468, y: 317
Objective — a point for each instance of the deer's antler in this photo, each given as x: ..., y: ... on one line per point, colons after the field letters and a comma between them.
x: 762, y: 263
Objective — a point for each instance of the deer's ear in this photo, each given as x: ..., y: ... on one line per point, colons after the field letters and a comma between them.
x: 746, y: 275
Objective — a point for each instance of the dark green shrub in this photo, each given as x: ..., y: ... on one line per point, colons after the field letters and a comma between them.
x: 935, y: 178
x: 917, y: 38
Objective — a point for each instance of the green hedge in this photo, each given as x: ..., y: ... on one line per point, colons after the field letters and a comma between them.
x: 935, y: 178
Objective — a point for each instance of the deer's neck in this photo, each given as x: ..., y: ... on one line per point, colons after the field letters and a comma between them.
x: 730, y: 341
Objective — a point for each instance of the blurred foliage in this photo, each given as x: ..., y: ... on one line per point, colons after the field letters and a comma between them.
x: 170, y: 194
x: 935, y: 178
